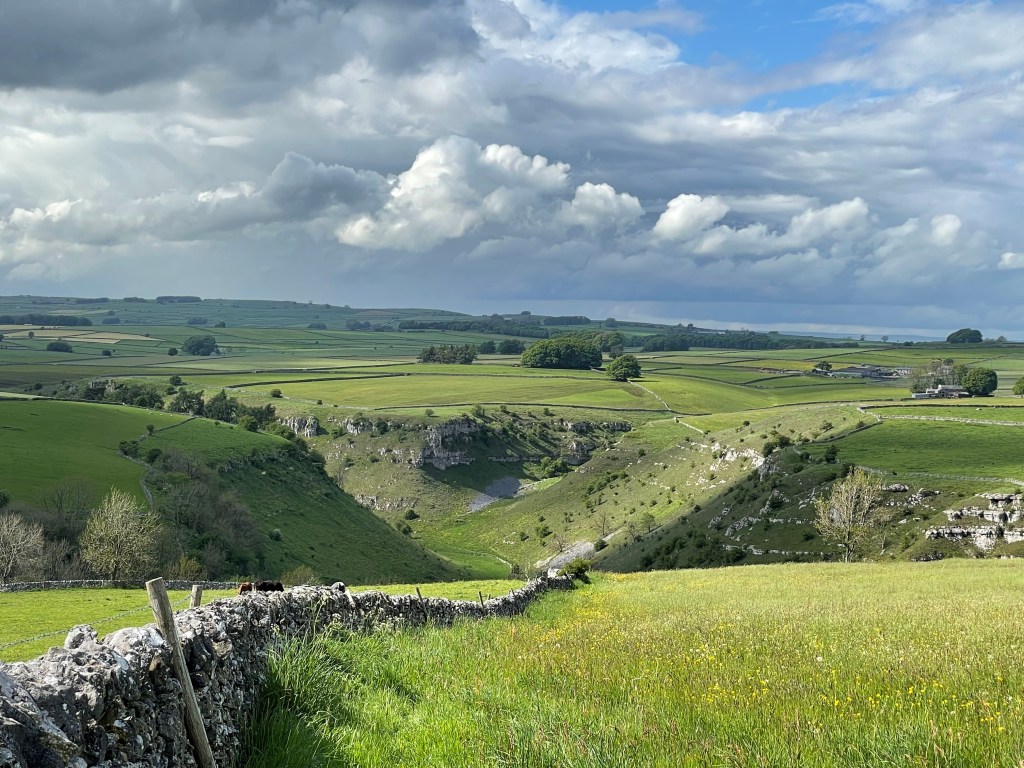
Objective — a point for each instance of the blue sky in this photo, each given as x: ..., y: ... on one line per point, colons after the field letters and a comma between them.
x: 845, y: 167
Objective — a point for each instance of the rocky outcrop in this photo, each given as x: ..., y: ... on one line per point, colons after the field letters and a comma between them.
x: 446, y: 444
x: 306, y: 426
x: 983, y: 536
x: 115, y: 702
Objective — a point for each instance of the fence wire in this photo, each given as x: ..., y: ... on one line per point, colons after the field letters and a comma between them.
x: 116, y: 617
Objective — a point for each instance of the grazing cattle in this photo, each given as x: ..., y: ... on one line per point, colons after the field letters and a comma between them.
x: 268, y: 586
x: 245, y: 586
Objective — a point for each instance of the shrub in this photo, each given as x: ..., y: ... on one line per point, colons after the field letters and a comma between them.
x: 578, y: 568
x: 58, y: 346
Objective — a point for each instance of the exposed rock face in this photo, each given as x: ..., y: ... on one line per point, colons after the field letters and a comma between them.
x: 446, y: 444
x: 983, y: 536
x: 306, y: 426
x: 115, y: 702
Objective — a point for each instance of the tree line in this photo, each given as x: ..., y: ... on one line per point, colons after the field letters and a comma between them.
x: 680, y: 341
x: 502, y: 327
x: 60, y: 321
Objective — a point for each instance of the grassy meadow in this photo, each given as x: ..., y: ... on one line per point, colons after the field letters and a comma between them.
x: 811, y: 665
x: 43, y: 443
x: 53, y: 612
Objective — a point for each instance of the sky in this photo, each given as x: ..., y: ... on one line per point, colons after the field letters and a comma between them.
x: 801, y: 165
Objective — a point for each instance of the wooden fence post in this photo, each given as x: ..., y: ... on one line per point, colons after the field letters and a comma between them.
x: 164, y: 615
x: 197, y: 596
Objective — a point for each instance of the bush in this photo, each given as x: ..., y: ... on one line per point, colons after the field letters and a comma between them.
x: 58, y: 346
x: 578, y: 568
x: 172, y: 351
x: 107, y: 353
x: 276, y: 393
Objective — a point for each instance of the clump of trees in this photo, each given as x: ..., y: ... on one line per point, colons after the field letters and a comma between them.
x: 59, y: 346
x: 981, y: 382
x: 449, y: 354
x: 511, y: 347
x: 200, y: 346
x: 568, y: 351
x: 965, y: 336
x: 222, y: 407
x: 623, y: 368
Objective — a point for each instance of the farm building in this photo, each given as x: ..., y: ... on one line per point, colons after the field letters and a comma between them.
x: 943, y: 390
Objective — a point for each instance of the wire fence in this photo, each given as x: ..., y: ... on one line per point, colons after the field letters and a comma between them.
x: 109, y: 619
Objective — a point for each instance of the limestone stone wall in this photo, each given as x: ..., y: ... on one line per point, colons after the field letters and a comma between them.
x: 115, y: 702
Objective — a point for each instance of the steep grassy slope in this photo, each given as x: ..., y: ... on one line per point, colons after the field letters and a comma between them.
x: 310, y: 521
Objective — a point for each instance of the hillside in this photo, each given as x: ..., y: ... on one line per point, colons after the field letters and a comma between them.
x: 233, y: 502
x: 713, y: 456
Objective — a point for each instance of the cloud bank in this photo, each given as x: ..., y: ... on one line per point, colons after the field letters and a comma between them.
x: 505, y: 154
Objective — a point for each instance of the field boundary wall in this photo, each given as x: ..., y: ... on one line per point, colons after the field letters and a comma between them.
x: 115, y: 701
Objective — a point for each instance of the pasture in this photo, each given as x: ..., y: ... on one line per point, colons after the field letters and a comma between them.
x: 466, y: 389
x: 811, y: 665
x: 53, y: 612
x: 45, y: 442
x: 931, y: 447
x: 216, y: 442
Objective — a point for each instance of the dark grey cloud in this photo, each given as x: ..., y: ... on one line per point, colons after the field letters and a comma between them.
x: 107, y: 45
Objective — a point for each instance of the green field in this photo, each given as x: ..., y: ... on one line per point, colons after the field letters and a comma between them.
x: 215, y: 441
x: 948, y: 448
x: 431, y: 389
x: 43, y: 443
x: 820, y: 665
x: 53, y: 612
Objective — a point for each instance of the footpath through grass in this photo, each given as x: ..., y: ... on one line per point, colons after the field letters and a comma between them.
x: 823, y: 665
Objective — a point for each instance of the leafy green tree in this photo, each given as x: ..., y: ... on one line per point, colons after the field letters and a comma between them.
x: 487, y: 348
x: 172, y: 351
x: 511, y: 347
x: 58, y: 346
x: 120, y: 539
x: 1018, y: 389
x: 220, y: 407
x: 201, y: 346
x: 562, y: 352
x: 187, y: 401
x: 623, y: 368
x: 965, y: 336
x: 850, y: 515
x: 981, y: 382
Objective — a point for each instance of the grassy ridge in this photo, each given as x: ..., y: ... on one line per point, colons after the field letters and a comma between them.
x: 776, y: 665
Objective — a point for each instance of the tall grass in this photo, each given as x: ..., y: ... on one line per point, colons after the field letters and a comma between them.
x: 824, y: 665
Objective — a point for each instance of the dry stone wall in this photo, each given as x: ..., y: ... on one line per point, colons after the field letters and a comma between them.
x: 115, y: 702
